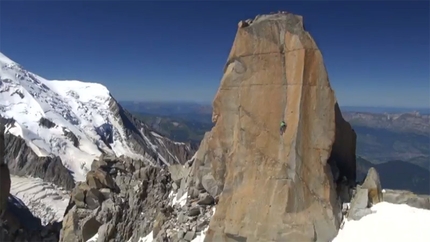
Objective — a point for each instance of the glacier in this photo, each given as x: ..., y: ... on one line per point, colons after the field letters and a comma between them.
x: 45, y: 201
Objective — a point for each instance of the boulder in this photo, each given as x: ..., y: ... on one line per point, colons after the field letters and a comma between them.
x: 205, y: 199
x: 98, y: 163
x: 194, y: 211
x: 94, y: 198
x: 106, y: 231
x: 104, y: 162
x: 178, y: 172
x: 274, y: 187
x: 107, y: 211
x: 70, y: 227
x: 373, y: 185
x: 78, y: 194
x: 100, y: 179
x: 159, y: 221
x: 211, y: 185
x: 106, y: 192
x: 190, y: 235
x: 90, y: 228
x: 359, y: 206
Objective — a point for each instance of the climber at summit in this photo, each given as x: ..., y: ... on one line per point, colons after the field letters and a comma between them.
x: 283, y: 127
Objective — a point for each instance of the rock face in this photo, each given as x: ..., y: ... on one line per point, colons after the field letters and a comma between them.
x: 19, y: 224
x: 4, y: 175
x: 22, y: 161
x: 275, y: 187
x: 46, y: 123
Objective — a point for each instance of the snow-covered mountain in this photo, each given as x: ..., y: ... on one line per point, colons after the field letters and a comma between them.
x: 77, y: 121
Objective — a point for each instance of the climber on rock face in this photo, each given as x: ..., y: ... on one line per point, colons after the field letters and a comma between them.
x: 283, y: 127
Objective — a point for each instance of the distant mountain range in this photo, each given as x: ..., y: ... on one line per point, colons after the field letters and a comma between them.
x: 381, y: 137
x: 384, y: 137
x: 167, y: 108
x: 411, y: 122
x: 397, y: 144
x: 399, y: 175
x: 170, y: 107
x: 384, y: 109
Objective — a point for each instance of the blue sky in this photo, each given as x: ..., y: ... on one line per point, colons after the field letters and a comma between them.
x: 376, y: 52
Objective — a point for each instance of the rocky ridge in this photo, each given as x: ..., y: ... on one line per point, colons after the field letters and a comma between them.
x: 399, y: 122
x: 23, y: 161
x: 122, y: 201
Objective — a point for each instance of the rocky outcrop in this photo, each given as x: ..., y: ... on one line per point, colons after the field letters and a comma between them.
x: 406, y: 197
x: 116, y: 201
x: 23, y: 161
x: 126, y: 200
x: 274, y: 187
x: 46, y: 123
x: 365, y: 196
x: 117, y: 189
x: 373, y: 185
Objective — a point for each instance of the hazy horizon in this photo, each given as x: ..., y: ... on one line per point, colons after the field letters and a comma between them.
x: 377, y: 109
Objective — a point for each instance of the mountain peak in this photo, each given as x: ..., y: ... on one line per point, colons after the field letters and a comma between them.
x: 4, y: 60
x: 283, y: 16
x: 76, y: 121
x: 275, y: 72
